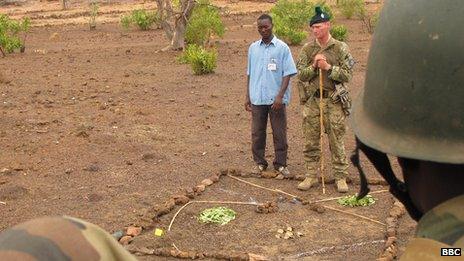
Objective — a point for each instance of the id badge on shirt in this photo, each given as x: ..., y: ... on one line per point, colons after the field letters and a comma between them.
x: 272, y: 66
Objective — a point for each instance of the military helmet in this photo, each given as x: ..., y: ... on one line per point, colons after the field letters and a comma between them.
x: 412, y: 104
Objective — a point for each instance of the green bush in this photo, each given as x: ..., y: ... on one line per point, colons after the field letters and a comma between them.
x: 204, y: 23
x: 339, y: 32
x: 291, y: 18
x: 201, y: 60
x: 368, y: 19
x: 10, y: 31
x: 93, y: 15
x: 142, y: 18
x: 350, y: 8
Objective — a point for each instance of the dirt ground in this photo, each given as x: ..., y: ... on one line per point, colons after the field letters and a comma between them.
x: 100, y: 126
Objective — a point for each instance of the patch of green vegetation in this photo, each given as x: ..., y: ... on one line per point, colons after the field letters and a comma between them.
x: 217, y: 215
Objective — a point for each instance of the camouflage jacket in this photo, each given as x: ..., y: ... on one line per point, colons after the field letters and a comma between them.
x: 59, y: 238
x: 441, y: 227
x: 337, y: 54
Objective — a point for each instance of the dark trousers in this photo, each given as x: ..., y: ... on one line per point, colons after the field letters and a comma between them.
x: 259, y: 115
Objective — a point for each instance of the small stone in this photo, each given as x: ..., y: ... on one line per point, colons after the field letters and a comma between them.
x: 133, y: 231
x: 318, y: 208
x: 190, y: 193
x: 289, y: 234
x: 148, y: 156
x: 125, y: 240
x: 245, y: 174
x: 170, y: 204
x: 183, y: 254
x: 92, y: 167
x: 398, y: 204
x: 390, y: 221
x: 214, y: 178
x: 207, y: 182
x: 388, y: 256
x: 175, y: 253
x: 269, y: 174
x: 279, y: 236
x: 128, y: 162
x: 391, y: 232
x: 280, y: 231
x: 68, y: 171
x: 3, y: 181
x: 181, y: 199
x: 393, y: 250
x: 299, y: 234
x: 273, y: 209
x: 382, y: 259
x: 289, y: 229
x: 390, y: 241
x: 118, y: 235
x: 200, y: 188
x: 6, y: 172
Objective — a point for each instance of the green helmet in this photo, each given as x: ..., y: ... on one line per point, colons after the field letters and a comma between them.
x: 412, y: 105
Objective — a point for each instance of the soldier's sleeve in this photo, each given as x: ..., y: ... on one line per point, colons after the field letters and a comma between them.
x: 344, y: 71
x: 306, y: 72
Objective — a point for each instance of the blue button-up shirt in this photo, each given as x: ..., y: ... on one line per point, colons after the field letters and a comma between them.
x: 264, y: 83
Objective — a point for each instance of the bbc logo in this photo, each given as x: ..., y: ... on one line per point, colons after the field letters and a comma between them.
x: 450, y: 251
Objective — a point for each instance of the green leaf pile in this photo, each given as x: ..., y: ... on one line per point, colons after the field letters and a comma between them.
x: 218, y: 215
x: 351, y: 201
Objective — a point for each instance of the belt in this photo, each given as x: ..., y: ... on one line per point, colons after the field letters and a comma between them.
x: 325, y: 94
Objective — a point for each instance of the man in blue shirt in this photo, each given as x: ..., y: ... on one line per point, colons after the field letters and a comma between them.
x: 270, y: 66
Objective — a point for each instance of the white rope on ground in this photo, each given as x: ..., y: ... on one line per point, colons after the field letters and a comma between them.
x: 325, y: 250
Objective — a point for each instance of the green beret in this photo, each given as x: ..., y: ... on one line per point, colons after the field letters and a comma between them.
x: 319, y: 17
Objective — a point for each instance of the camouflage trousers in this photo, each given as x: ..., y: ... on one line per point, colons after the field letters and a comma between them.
x: 334, y: 126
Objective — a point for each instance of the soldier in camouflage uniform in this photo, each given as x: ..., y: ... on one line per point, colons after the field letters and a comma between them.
x: 60, y: 238
x: 336, y: 62
x: 412, y: 108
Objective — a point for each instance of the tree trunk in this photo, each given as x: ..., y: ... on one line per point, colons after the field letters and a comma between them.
x: 178, y: 38
x: 173, y: 23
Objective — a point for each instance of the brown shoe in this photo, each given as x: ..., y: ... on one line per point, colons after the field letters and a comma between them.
x: 307, y: 183
x: 342, y: 187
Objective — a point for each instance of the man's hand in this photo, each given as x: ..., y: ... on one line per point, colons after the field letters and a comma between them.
x: 278, y: 104
x: 247, y: 104
x: 318, y: 58
x: 324, y: 65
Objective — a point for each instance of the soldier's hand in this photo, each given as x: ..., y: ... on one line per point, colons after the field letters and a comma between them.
x: 324, y: 65
x: 318, y: 58
x: 247, y: 104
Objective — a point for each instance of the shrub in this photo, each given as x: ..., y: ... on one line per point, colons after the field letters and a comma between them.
x: 350, y: 8
x: 291, y: 18
x: 339, y: 32
x: 142, y: 18
x: 204, y: 23
x: 10, y: 31
x: 93, y: 15
x: 201, y: 60
x: 368, y: 19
